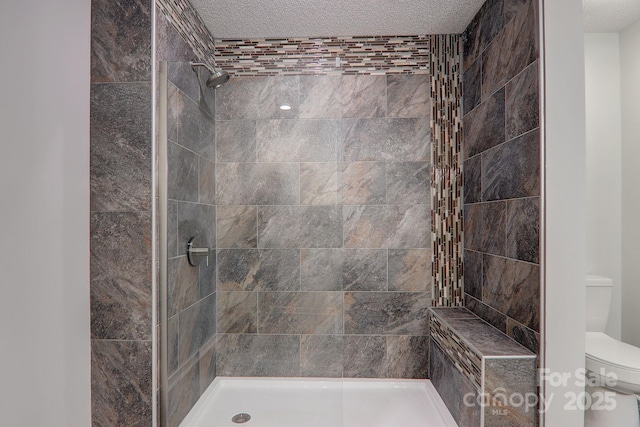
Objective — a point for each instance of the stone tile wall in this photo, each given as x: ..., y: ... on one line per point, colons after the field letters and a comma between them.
x: 121, y: 206
x: 191, y: 213
x: 501, y: 154
x: 323, y: 226
x: 321, y: 222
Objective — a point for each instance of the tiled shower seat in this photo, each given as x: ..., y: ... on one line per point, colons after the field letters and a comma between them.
x: 484, y: 377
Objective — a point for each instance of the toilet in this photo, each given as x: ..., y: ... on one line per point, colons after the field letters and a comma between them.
x: 613, y: 366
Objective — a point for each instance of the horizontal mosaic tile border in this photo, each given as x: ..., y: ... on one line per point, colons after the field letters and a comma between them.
x: 446, y: 174
x: 188, y: 23
x: 467, y: 361
x: 330, y: 55
x: 300, y: 55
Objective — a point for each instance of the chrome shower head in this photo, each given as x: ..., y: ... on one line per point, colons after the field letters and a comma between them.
x: 217, y: 78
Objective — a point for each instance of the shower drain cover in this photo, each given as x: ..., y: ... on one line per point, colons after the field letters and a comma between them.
x: 241, y: 418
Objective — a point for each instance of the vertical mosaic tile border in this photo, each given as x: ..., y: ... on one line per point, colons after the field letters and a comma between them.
x: 446, y: 175
x: 188, y: 23
x: 329, y: 55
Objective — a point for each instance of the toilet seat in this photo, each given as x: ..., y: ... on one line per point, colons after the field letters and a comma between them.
x: 621, y: 359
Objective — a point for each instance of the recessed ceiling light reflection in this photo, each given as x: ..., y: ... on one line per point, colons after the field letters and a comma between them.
x: 285, y: 107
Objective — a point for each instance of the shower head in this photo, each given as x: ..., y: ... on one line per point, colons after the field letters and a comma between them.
x: 217, y: 78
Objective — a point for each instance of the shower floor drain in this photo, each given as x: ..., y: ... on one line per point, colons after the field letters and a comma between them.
x: 241, y: 418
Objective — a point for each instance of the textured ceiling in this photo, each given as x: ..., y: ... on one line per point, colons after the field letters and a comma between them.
x: 321, y: 18
x: 609, y: 16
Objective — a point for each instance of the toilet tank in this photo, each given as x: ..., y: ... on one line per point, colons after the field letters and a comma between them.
x: 598, y: 302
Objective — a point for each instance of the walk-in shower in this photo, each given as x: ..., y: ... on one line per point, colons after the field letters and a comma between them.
x: 316, y: 222
x: 269, y: 194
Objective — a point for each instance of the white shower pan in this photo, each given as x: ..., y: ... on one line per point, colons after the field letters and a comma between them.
x: 301, y: 402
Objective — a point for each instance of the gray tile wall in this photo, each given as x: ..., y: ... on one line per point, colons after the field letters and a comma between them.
x: 502, y: 168
x: 351, y: 155
x: 191, y: 213
x: 120, y: 240
x: 323, y: 226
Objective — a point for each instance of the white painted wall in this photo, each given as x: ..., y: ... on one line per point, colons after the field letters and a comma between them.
x: 630, y: 78
x: 44, y: 213
x: 604, y: 164
x: 565, y: 202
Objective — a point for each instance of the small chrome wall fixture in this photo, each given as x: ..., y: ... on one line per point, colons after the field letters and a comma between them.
x: 217, y: 78
x: 197, y: 256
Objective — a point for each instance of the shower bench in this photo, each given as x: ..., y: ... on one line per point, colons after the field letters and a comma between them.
x: 484, y: 377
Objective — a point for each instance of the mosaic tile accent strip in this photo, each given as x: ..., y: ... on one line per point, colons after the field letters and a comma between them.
x: 446, y: 174
x: 467, y: 361
x: 330, y: 55
x: 300, y: 55
x: 188, y: 23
